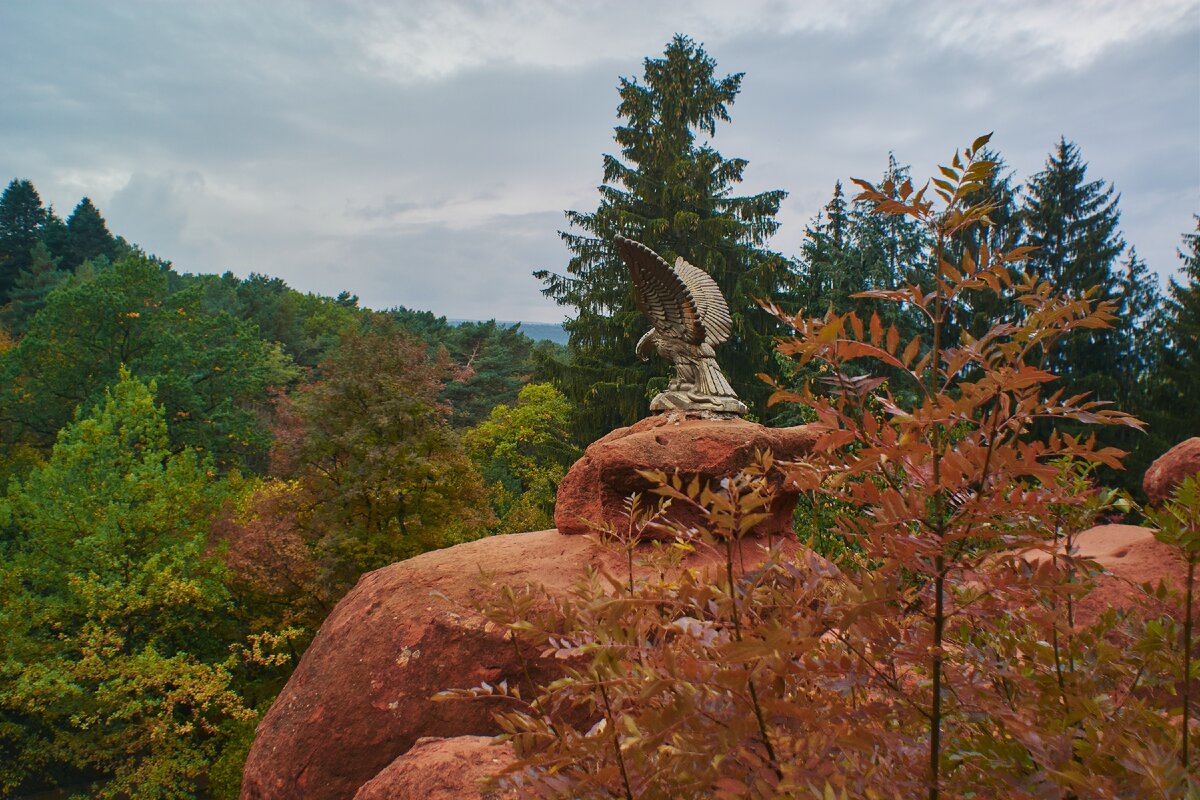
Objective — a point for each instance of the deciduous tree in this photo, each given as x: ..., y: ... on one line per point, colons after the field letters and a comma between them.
x: 112, y: 677
x: 381, y: 474
x: 524, y: 451
x: 212, y: 370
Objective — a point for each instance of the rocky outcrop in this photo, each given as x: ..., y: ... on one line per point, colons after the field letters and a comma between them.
x: 1130, y: 556
x: 442, y: 769
x: 1173, y: 466
x: 355, y: 720
x: 361, y: 695
x: 595, y: 488
x: 360, y: 698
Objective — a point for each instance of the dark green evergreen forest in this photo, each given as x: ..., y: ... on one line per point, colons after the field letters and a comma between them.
x: 194, y: 468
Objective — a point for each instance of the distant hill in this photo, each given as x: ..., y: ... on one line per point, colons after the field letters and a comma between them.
x: 534, y: 330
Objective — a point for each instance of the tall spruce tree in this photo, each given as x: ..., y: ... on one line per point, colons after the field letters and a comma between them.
x: 22, y: 218
x: 849, y: 248
x: 1179, y: 379
x: 1139, y: 305
x: 825, y: 257
x: 674, y: 194
x: 889, y: 248
x: 88, y: 236
x: 55, y: 235
x: 1138, y: 338
x: 1073, y: 224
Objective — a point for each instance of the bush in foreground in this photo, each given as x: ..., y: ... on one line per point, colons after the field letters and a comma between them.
x: 934, y: 659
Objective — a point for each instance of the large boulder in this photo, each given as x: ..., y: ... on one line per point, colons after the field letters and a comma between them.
x: 1173, y: 466
x: 442, y: 769
x: 361, y: 695
x: 596, y: 487
x: 1130, y: 557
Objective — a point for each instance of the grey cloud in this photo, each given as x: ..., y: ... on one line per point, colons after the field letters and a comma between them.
x: 851, y: 96
x: 154, y: 210
x: 392, y: 206
x: 264, y: 137
x: 478, y: 273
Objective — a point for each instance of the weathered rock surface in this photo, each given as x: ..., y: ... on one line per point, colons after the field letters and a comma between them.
x: 595, y: 488
x: 442, y: 769
x: 1173, y: 466
x: 1130, y: 556
x: 360, y: 696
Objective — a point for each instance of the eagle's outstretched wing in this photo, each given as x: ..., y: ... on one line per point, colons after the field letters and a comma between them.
x: 714, y: 313
x: 682, y: 301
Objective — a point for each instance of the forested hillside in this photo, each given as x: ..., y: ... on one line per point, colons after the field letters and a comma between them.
x: 195, y: 468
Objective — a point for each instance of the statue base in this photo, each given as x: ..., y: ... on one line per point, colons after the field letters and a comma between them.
x: 688, y: 401
x: 694, y: 444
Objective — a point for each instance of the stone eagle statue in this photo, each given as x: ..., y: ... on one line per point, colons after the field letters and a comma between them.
x: 690, y: 317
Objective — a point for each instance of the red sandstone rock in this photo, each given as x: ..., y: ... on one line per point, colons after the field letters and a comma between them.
x: 595, y: 488
x: 1173, y: 466
x: 1130, y: 556
x: 360, y: 696
x: 442, y: 769
x: 349, y: 724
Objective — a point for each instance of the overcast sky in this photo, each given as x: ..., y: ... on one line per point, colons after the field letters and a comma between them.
x: 422, y: 153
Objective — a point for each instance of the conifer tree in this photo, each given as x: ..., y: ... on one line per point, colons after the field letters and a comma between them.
x: 1073, y: 224
x: 850, y: 249
x: 674, y: 194
x: 824, y: 256
x: 1138, y: 308
x: 1180, y: 368
x: 22, y: 218
x: 1138, y: 342
x: 55, y: 235
x: 88, y: 236
x: 889, y: 248
x: 29, y: 291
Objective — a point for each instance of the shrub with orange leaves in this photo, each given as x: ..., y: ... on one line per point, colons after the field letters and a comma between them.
x: 933, y: 659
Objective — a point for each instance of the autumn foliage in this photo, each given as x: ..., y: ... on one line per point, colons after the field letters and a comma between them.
x: 365, y: 470
x: 934, y: 658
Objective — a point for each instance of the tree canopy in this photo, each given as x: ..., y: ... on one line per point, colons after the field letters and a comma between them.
x: 110, y: 672
x: 212, y: 370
